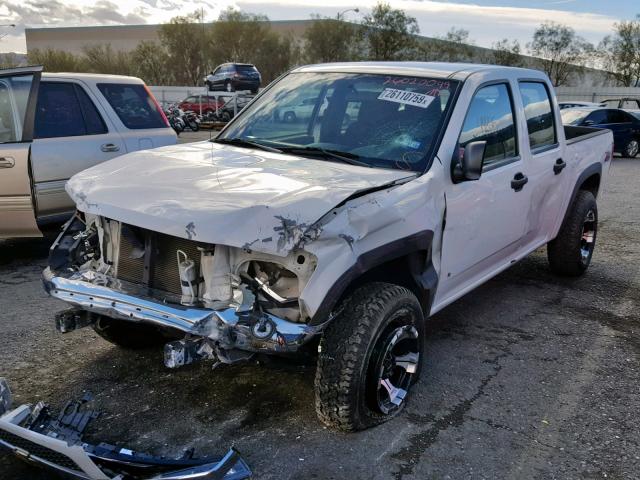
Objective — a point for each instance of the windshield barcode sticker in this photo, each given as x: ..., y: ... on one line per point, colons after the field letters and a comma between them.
x: 405, y: 96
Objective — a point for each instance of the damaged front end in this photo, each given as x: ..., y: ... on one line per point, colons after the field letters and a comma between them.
x: 228, y: 302
x: 37, y: 435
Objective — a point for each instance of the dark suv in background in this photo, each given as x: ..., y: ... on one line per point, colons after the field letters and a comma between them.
x: 234, y: 76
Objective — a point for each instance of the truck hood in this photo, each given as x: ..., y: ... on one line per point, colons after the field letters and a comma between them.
x: 220, y: 194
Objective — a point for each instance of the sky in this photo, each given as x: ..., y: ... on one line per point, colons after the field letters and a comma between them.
x: 487, y: 20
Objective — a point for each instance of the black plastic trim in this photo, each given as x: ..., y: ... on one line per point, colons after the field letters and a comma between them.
x: 593, y: 169
x: 423, y: 272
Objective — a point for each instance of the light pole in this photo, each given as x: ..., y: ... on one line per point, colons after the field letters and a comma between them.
x: 340, y: 15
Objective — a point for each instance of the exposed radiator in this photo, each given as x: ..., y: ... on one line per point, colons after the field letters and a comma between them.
x: 143, y: 251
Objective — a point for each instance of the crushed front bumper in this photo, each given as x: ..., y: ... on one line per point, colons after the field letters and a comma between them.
x: 236, y: 327
x: 37, y: 436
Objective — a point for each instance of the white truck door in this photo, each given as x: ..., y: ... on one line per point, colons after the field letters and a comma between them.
x: 70, y: 135
x: 548, y: 175
x: 18, y: 93
x: 485, y: 218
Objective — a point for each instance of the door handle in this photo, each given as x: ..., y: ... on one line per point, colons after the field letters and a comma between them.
x: 519, y: 181
x: 109, y: 147
x: 7, y: 162
x: 559, y: 166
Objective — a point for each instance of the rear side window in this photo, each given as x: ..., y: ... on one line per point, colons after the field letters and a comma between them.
x: 490, y: 119
x: 617, y: 116
x: 539, y: 114
x: 65, y: 110
x: 133, y: 105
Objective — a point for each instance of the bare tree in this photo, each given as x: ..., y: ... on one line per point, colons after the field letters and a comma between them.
x: 454, y: 46
x: 564, y: 52
x: 507, y: 53
x: 330, y: 40
x: 620, y: 52
x: 389, y: 33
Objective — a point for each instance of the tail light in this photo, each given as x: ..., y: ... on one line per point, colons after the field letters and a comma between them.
x: 158, y: 107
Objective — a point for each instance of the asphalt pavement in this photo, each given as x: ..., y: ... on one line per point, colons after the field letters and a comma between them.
x: 529, y: 376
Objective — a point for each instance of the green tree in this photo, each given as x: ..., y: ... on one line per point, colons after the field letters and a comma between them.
x: 388, y: 33
x: 9, y: 60
x: 620, y: 52
x: 151, y: 62
x: 57, y: 60
x: 247, y: 38
x: 330, y: 40
x: 563, y: 52
x: 103, y: 59
x: 507, y: 53
x: 183, y: 40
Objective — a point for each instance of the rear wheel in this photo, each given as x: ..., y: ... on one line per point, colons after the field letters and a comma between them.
x: 571, y: 251
x: 632, y: 148
x: 228, y: 87
x: 128, y: 335
x: 193, y: 125
x: 289, y: 117
x: 226, y: 116
x: 369, y: 357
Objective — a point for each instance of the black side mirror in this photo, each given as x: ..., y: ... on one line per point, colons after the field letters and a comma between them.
x: 469, y: 167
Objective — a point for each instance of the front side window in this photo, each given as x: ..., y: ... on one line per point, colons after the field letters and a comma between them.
x: 490, y: 119
x: 133, y: 104
x: 539, y: 114
x: 377, y: 120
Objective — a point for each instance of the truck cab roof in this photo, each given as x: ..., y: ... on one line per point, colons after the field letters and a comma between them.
x: 444, y: 70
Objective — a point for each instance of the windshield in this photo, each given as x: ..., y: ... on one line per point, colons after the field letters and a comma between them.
x: 383, y: 121
x: 573, y: 117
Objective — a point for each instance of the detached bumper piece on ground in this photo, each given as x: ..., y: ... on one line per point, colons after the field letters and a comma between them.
x: 37, y: 435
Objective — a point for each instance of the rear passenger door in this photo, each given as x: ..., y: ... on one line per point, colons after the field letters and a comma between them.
x: 18, y: 95
x: 70, y: 135
x: 548, y: 170
x: 622, y: 126
x: 485, y: 218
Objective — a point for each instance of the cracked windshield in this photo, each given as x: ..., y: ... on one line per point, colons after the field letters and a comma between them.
x: 371, y: 120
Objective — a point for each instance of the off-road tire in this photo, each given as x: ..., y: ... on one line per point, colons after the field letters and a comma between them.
x: 564, y: 252
x: 128, y: 335
x: 346, y: 350
x: 632, y: 148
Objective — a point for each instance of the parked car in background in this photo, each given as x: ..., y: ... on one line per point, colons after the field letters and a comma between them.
x: 576, y: 104
x: 624, y: 125
x: 232, y: 106
x: 626, y: 103
x: 203, y: 104
x: 234, y: 76
x: 77, y: 121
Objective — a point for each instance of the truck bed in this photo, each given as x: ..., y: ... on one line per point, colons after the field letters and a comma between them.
x: 575, y: 134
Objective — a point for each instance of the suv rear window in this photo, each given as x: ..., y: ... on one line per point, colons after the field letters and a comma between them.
x: 133, y: 105
x: 245, y: 69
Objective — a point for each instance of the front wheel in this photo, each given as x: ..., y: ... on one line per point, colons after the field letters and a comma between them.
x: 369, y: 357
x: 571, y: 251
x: 632, y: 148
x: 228, y: 87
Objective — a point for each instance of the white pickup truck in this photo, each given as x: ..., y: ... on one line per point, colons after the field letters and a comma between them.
x: 409, y: 185
x: 53, y: 125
